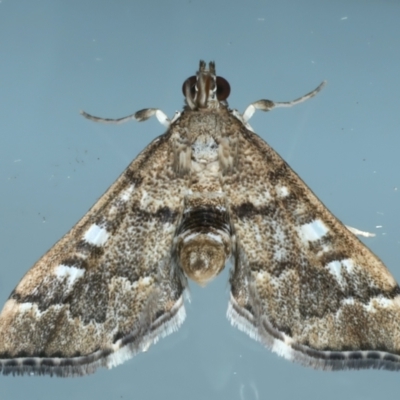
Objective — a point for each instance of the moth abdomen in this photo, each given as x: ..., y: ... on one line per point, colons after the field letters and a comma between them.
x: 204, y: 218
x: 203, y: 241
x: 203, y: 255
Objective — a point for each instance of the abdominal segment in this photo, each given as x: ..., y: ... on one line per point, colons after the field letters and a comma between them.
x: 204, y: 237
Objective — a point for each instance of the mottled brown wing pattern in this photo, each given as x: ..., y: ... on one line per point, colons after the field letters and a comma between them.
x: 109, y: 287
x: 302, y: 283
x: 208, y: 190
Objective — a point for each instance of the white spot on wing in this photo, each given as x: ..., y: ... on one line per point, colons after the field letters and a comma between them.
x: 144, y: 199
x: 71, y: 273
x: 314, y: 230
x: 380, y: 302
x: 282, y: 191
x: 383, y: 301
x: 146, y: 280
x: 24, y: 307
x: 96, y: 235
x: 261, y: 275
x: 349, y: 301
x: 126, y: 194
x: 33, y: 308
x: 280, y: 254
x: 335, y: 268
x: 348, y: 264
x: 280, y: 240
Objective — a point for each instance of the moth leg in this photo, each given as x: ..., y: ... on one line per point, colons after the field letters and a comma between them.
x: 266, y: 105
x: 141, y: 115
x: 357, y: 232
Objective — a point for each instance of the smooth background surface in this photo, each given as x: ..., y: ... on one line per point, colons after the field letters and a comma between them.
x: 112, y: 58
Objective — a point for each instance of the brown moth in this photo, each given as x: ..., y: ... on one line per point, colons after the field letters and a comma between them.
x: 206, y: 191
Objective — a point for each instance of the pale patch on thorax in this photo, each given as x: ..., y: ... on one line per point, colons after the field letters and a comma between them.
x: 204, y: 149
x: 205, y: 165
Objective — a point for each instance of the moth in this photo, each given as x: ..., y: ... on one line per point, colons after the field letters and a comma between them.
x: 207, y: 191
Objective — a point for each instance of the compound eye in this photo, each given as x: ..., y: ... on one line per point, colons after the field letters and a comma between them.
x: 192, y: 85
x: 223, y: 88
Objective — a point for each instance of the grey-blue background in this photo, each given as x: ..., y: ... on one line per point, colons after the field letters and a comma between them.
x: 112, y: 58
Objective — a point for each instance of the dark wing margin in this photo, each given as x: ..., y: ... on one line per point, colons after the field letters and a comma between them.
x: 109, y: 288
x: 302, y: 284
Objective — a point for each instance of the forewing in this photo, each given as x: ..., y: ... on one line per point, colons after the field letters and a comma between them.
x: 302, y: 283
x: 109, y: 287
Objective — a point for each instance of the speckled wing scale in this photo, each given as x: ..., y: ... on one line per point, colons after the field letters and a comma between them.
x: 207, y: 190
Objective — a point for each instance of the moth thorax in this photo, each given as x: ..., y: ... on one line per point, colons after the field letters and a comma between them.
x: 204, y: 255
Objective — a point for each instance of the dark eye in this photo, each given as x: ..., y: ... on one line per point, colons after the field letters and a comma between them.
x: 192, y: 84
x: 223, y: 88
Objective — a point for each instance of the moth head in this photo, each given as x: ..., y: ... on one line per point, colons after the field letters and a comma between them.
x: 206, y: 89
